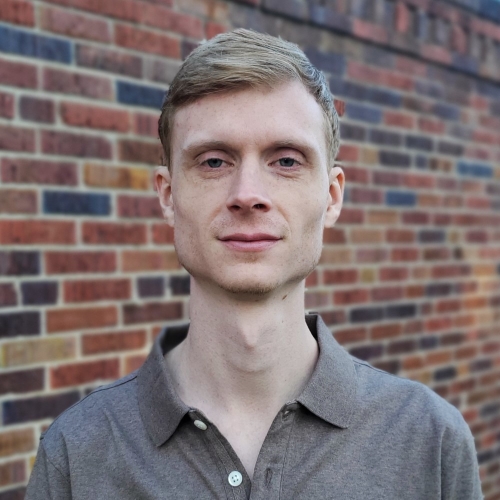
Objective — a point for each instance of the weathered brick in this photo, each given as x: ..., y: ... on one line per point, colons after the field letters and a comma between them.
x: 93, y: 290
x: 149, y: 260
x: 30, y: 171
x: 37, y: 110
x: 83, y: 373
x: 22, y: 381
x: 99, y: 343
x: 8, y: 296
x: 60, y: 320
x: 152, y: 311
x: 82, y: 115
x: 16, y: 441
x: 19, y: 323
x: 16, y: 201
x: 37, y: 408
x: 140, y: 152
x: 18, y: 74
x: 75, y: 25
x: 74, y: 203
x: 139, y: 206
x: 117, y: 177
x: 6, y: 105
x: 80, y: 262
x: 12, y: 472
x: 69, y: 144
x: 65, y: 82
x: 147, y: 41
x: 17, y: 12
x: 108, y: 60
x: 19, y: 263
x: 17, y: 139
x: 37, y: 351
x: 30, y: 232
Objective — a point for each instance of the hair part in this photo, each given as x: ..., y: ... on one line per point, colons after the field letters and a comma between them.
x: 243, y: 59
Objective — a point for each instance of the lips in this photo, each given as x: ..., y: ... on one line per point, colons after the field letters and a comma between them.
x: 250, y: 237
x: 255, y: 242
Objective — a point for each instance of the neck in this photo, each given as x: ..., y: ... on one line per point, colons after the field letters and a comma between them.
x: 243, y: 356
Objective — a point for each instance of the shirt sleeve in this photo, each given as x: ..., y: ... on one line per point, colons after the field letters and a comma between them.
x: 460, y: 470
x: 46, y: 480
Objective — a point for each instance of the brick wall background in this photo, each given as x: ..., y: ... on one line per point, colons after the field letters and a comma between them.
x: 409, y: 278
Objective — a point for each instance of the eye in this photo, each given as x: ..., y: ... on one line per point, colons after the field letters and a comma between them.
x: 213, y: 162
x: 287, y: 162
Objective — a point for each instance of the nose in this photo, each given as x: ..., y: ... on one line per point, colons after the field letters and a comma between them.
x: 248, y: 191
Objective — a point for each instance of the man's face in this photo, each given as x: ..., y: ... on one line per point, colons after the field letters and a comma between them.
x: 250, y: 190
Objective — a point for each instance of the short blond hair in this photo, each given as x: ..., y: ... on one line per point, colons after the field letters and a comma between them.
x: 245, y: 59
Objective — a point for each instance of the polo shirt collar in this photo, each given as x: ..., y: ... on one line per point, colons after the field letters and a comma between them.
x: 330, y: 393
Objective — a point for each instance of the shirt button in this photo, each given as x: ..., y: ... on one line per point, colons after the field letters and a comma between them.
x: 201, y: 425
x: 235, y: 478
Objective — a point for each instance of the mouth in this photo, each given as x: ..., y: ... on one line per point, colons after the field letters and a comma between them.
x: 255, y: 242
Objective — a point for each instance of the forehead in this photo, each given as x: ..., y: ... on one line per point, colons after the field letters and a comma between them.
x: 251, y: 117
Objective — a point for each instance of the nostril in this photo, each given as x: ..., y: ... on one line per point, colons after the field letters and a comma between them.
x: 259, y: 205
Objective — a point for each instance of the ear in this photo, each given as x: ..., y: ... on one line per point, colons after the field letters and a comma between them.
x: 163, y: 185
x: 336, y: 180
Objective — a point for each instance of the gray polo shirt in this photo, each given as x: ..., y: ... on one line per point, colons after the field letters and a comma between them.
x: 355, y: 432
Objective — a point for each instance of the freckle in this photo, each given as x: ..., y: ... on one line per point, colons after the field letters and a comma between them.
x: 284, y: 297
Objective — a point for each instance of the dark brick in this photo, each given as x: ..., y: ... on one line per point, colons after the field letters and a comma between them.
x: 384, y: 97
x: 474, y: 169
x: 15, y: 494
x: 490, y: 409
x: 438, y: 289
x: 445, y: 373
x: 384, y: 137
x: 152, y: 311
x: 39, y: 292
x: 108, y: 60
x: 68, y: 144
x: 401, y: 311
x: 432, y: 236
x: 24, y: 43
x: 421, y: 162
x: 446, y: 111
x: 71, y: 203
x: 352, y: 132
x: 419, y: 142
x: 180, y: 285
x: 400, y: 198
x: 393, y: 366
x: 428, y: 342
x: 454, y: 338
x: 378, y: 56
x: 329, y: 62
x: 450, y: 148
x: 352, y: 90
x: 367, y: 352
x: 25, y: 323
x: 362, y: 314
x: 324, y: 15
x: 387, y: 178
x: 480, y: 365
x: 151, y: 287
x: 401, y: 346
x: 19, y: 263
x: 8, y: 295
x: 485, y: 456
x: 292, y: 8
x: 429, y: 88
x: 37, y: 408
x: 393, y: 159
x: 363, y: 113
x: 37, y: 110
x: 22, y: 381
x: 139, y: 95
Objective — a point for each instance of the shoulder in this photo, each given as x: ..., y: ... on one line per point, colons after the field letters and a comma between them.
x: 388, y: 396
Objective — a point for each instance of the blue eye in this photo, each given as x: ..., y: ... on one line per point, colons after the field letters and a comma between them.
x: 287, y: 162
x: 214, y: 162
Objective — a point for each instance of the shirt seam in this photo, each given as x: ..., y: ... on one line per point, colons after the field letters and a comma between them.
x: 67, y: 481
x: 285, y: 457
x: 359, y: 362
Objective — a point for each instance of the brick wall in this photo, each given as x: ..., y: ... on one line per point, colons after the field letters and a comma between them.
x: 88, y: 274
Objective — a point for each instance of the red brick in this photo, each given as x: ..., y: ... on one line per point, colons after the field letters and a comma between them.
x: 18, y: 202
x: 386, y: 293
x: 395, y: 119
x: 359, y: 71
x: 17, y: 12
x: 65, y: 82
x: 411, y: 66
x: 333, y: 235
x: 61, y: 320
x: 152, y: 311
x: 74, y: 25
x: 12, y: 472
x: 81, y: 115
x: 37, y: 110
x: 17, y: 139
x: 147, y: 41
x: 99, y: 233
x: 385, y: 331
x: 149, y: 260
x: 433, y: 126
x: 144, y: 124
x: 18, y: 74
x: 30, y: 232
x: 350, y: 335
x: 139, y: 206
x: 83, y: 373
x: 402, y: 17
x: 340, y: 276
x: 316, y: 299
x: 369, y: 31
x: 163, y: 234
x: 108, y: 60
x: 213, y: 29
x: 93, y: 290
x: 140, y: 152
x: 339, y: 106
x: 38, y: 172
x: 348, y: 152
x: 393, y: 273
x: 133, y: 363
x: 7, y: 295
x: 68, y: 144
x: 80, y: 262
x: 128, y: 10
x: 436, y: 53
x: 16, y: 441
x: 353, y: 296
x: 169, y: 20
x: 351, y: 216
x: 99, y: 343
x: 6, y: 105
x: 404, y: 254
x: 419, y: 181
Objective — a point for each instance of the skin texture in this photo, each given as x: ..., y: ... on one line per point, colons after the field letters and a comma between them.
x: 248, y: 163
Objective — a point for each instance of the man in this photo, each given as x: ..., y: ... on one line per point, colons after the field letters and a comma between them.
x: 253, y: 399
